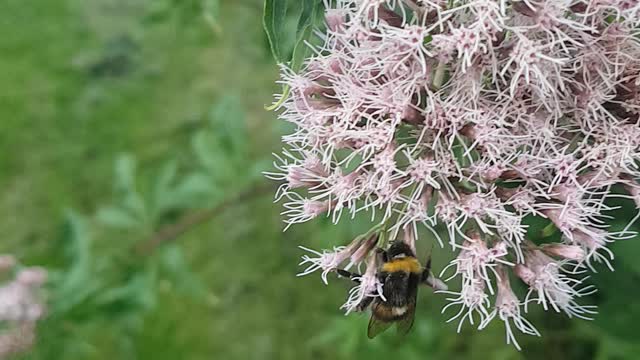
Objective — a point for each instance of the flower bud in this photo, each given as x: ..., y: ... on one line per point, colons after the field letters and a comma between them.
x: 7, y: 262
x: 363, y: 248
x: 33, y: 276
x: 524, y: 273
x: 335, y: 19
x: 570, y: 252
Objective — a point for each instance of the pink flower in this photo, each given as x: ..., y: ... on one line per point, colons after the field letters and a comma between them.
x: 473, y: 301
x: 368, y: 286
x: 508, y: 309
x: 330, y: 260
x: 300, y: 209
x: 21, y: 307
x: 476, y: 116
x: 477, y: 261
x: 7, y: 262
x: 551, y: 288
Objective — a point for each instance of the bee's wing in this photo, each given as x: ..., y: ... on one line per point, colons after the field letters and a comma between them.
x: 405, y: 324
x: 376, y: 326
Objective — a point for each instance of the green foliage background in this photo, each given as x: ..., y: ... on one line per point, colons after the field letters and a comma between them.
x: 122, y: 117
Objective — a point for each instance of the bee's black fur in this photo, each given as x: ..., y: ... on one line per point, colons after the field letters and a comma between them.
x: 399, y: 290
x: 398, y: 248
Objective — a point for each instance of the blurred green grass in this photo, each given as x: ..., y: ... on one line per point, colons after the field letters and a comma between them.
x: 69, y: 108
x: 85, y: 81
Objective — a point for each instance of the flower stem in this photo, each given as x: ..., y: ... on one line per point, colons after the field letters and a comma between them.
x: 438, y: 78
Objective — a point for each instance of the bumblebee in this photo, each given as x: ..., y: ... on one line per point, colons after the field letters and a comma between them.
x: 400, y: 274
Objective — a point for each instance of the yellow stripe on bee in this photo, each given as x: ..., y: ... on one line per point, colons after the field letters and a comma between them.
x: 407, y: 264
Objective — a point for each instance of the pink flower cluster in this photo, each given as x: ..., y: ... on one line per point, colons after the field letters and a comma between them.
x: 473, y: 115
x: 20, y: 305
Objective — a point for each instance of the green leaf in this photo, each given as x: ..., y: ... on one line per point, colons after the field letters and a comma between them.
x: 78, y: 282
x: 125, y: 170
x: 308, y: 8
x: 273, y: 20
x: 549, y: 230
x: 195, y: 186
x: 311, y: 14
x: 205, y: 150
x: 139, y: 291
x: 163, y: 189
x: 211, y: 14
x: 301, y: 50
x: 125, y: 186
x: 220, y: 166
x: 166, y: 177
x: 174, y: 262
x: 229, y: 126
x: 135, y: 204
x: 116, y: 217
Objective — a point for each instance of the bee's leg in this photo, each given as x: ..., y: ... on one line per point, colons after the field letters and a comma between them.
x: 426, y: 273
x: 425, y: 276
x: 364, y: 304
x: 434, y: 282
x: 356, y: 278
x: 353, y: 276
x: 429, y: 279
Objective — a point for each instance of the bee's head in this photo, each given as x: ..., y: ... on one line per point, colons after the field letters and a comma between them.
x: 399, y: 249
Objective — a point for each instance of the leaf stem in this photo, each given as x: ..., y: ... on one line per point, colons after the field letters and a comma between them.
x: 190, y: 220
